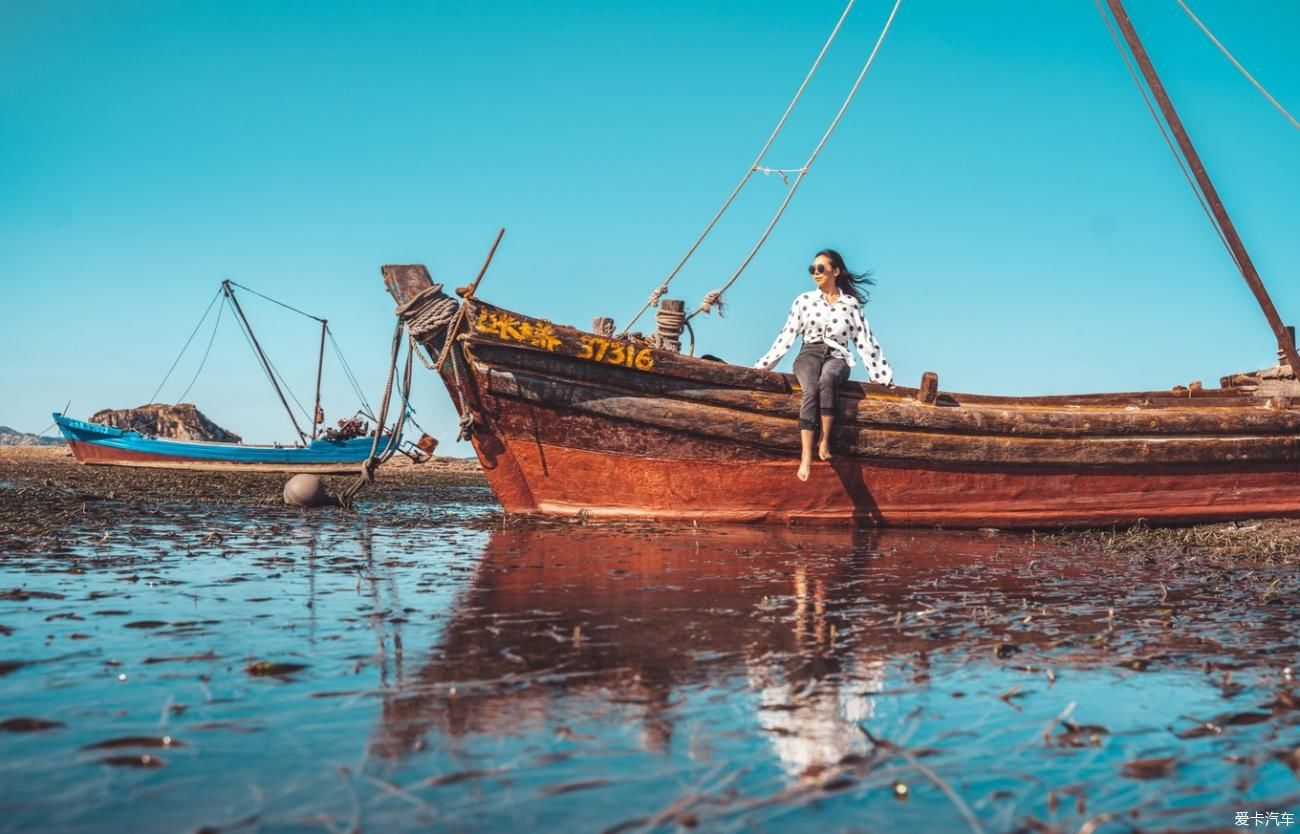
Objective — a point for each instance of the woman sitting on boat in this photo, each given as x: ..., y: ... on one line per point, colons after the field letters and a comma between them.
x: 828, y: 318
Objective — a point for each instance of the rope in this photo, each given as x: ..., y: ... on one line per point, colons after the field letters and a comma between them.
x: 421, y: 317
x: 1238, y: 65
x: 669, y: 335
x: 654, y: 297
x: 425, y: 315
x: 1164, y: 131
x: 204, y: 361
x: 274, y: 301
x: 301, y: 408
x: 715, y: 297
x: 347, y: 371
x: 430, y: 310
x: 194, y: 333
x: 374, y: 460
x: 781, y: 172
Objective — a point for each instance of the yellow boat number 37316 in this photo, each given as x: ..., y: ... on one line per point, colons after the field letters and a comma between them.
x: 613, y: 352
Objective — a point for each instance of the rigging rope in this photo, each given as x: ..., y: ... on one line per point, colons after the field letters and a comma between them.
x: 301, y: 409
x: 274, y: 301
x: 195, y: 332
x: 1238, y: 65
x: 347, y: 371
x: 658, y: 293
x: 1164, y: 132
x: 715, y: 297
x: 206, y: 353
x: 267, y: 369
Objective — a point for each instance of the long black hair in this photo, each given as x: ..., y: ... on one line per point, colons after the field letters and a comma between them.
x: 848, y: 282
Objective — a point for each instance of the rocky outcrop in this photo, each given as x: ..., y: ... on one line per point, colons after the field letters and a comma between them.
x: 13, y: 437
x: 181, y: 421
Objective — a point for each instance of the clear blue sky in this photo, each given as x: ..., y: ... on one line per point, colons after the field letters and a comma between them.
x: 1028, y: 227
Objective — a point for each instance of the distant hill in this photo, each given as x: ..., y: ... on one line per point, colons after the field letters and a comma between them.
x: 12, y: 437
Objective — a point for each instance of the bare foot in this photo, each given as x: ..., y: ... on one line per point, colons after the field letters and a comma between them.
x: 805, y: 466
x: 824, y: 450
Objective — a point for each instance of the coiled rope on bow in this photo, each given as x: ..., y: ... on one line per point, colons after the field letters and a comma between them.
x: 428, y: 312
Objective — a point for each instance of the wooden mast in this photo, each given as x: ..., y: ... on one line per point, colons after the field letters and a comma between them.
x: 266, y: 363
x: 1285, y: 342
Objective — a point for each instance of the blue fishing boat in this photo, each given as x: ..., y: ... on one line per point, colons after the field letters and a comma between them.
x: 93, y: 443
x: 316, y: 449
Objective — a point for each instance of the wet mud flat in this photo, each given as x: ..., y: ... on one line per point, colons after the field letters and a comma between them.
x: 178, y: 652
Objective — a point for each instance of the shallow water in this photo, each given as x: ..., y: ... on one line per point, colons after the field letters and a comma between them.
x: 423, y: 666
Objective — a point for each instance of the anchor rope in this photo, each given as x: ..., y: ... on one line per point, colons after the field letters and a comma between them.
x: 1238, y: 65
x: 376, y: 459
x: 422, y: 317
x: 663, y: 288
x: 714, y: 298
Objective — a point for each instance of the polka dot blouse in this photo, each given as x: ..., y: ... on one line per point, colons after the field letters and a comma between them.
x: 834, y: 325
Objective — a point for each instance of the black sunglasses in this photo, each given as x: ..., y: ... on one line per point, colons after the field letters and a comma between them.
x: 818, y: 269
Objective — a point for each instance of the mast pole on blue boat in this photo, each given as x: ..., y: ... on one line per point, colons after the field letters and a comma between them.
x: 1285, y: 341
x: 317, y: 418
x: 266, y: 364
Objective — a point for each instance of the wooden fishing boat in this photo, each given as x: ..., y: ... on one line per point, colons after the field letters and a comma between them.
x: 92, y: 443
x: 568, y: 422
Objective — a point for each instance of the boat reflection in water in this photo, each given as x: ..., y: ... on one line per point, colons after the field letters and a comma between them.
x: 641, y: 668
x: 631, y: 619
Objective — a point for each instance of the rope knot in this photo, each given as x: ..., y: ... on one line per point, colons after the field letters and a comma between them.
x: 658, y: 294
x: 710, y: 301
x: 466, y: 425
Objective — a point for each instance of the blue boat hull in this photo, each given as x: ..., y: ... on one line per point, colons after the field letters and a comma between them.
x: 92, y: 443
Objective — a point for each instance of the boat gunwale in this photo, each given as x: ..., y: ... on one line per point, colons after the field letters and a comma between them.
x: 716, y: 373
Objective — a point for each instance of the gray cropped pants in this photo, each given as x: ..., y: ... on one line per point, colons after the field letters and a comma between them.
x: 820, y: 374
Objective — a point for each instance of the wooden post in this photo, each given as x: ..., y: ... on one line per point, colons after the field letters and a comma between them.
x: 466, y: 293
x: 1285, y: 340
x: 928, y: 393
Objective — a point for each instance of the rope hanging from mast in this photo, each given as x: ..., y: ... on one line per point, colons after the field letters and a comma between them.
x: 755, y: 167
x: 1238, y: 65
x: 153, y: 397
x: 206, y: 353
x: 714, y: 298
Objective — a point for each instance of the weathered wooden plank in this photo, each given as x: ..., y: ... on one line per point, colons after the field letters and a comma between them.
x: 892, y: 411
x: 693, y: 419
x: 405, y: 281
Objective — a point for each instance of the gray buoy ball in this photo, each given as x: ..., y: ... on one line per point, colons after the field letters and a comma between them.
x: 305, y: 491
